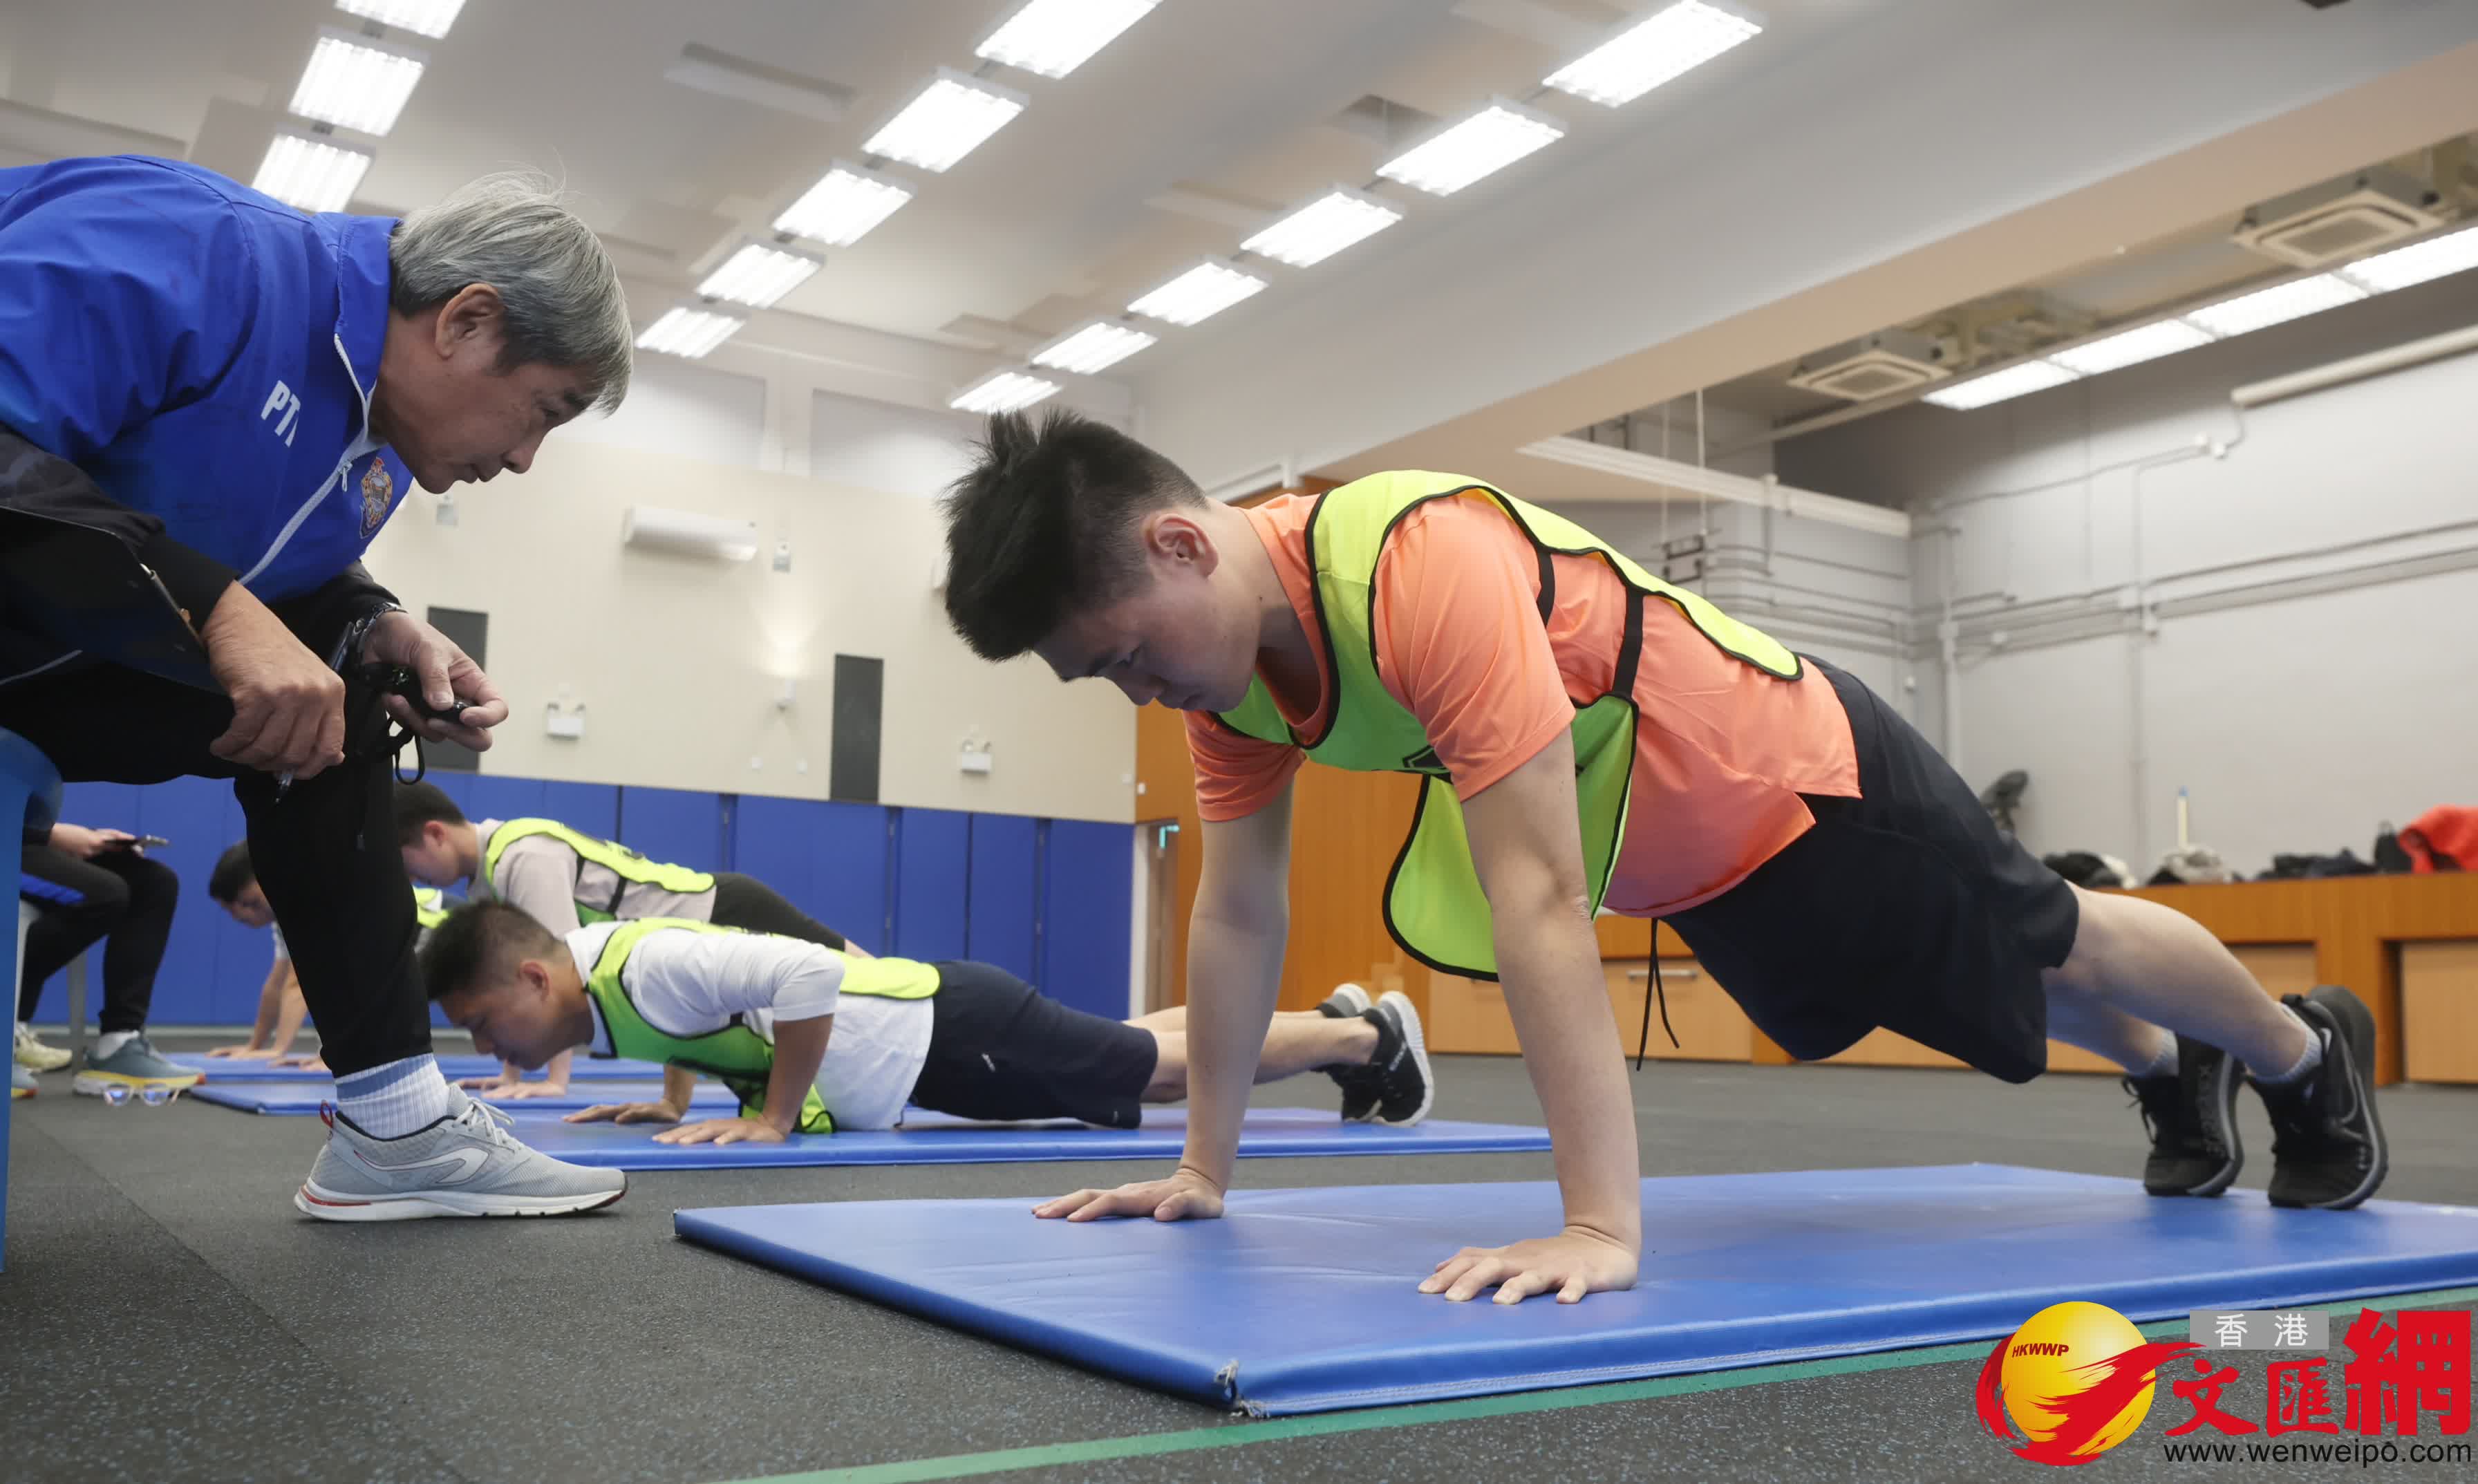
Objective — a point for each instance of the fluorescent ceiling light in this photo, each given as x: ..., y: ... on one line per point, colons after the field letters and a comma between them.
x: 355, y: 83
x: 2132, y: 348
x: 1200, y: 293
x: 1489, y: 141
x: 428, y: 18
x: 1324, y: 227
x: 1650, y: 52
x: 1104, y: 343
x: 313, y: 175
x: 689, y: 332
x: 1053, y: 38
x: 757, y: 275
x: 2453, y: 252
x: 2013, y: 381
x: 841, y: 208
x: 1003, y: 391
x: 2282, y: 302
x: 948, y: 120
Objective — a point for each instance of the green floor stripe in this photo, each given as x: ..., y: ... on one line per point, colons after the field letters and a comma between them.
x: 1047, y: 1455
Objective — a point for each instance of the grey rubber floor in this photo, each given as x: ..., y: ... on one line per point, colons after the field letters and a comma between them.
x: 167, y: 1315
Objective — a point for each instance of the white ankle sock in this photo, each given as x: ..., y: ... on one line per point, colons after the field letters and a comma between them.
x: 395, y: 1099
x: 2164, y: 1064
x: 111, y: 1041
x: 2311, y: 1058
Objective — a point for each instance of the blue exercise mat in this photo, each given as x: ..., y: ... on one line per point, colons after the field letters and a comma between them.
x: 585, y: 1068
x: 710, y: 1100
x: 936, y: 1138
x: 1305, y: 1300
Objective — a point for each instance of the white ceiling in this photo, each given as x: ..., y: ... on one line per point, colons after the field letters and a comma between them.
x: 1043, y: 225
x: 1853, y: 128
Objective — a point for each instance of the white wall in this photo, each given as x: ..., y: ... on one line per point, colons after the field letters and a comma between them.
x: 1824, y: 590
x: 679, y: 659
x: 684, y: 408
x: 877, y: 446
x: 2308, y: 672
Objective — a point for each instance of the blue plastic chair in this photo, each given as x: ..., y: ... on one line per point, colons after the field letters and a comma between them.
x: 30, y: 792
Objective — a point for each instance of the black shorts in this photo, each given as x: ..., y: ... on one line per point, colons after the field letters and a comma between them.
x: 1904, y: 908
x: 1001, y: 1051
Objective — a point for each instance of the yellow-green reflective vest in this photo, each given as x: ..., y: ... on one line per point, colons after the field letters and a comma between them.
x: 630, y: 868
x: 1434, y: 903
x: 429, y: 906
x: 734, y: 1054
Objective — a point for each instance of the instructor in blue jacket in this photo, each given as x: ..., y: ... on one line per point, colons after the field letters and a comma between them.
x: 240, y: 394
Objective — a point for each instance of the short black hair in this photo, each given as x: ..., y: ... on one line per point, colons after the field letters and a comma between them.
x: 1043, y: 527
x: 480, y: 939
x: 232, y: 875
x: 418, y: 804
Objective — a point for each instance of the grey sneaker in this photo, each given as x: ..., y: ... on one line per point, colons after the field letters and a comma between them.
x: 466, y: 1164
x: 133, y: 1068
x: 21, y: 1081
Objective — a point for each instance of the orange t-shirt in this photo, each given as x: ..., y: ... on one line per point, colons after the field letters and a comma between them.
x: 1721, y: 751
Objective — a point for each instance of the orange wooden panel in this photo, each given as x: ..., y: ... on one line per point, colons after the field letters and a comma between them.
x: 1710, y: 1026
x: 1624, y: 938
x: 2280, y: 967
x: 1470, y: 1016
x: 2440, y: 1011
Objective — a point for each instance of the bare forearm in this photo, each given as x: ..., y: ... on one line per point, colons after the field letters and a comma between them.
x: 291, y: 1008
x: 555, y: 1070
x: 1551, y: 964
x: 800, y: 1049
x: 679, y: 1085
x: 1234, y: 969
x: 271, y: 999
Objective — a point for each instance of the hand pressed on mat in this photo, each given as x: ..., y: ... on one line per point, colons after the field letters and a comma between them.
x: 1184, y: 1197
x: 627, y: 1113
x: 722, y: 1131
x: 509, y: 1087
x: 1571, y: 1264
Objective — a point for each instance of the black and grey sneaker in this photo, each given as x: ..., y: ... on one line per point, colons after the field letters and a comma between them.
x: 1360, y: 1092
x: 2191, y: 1115
x: 2327, y: 1144
x: 1408, y: 1088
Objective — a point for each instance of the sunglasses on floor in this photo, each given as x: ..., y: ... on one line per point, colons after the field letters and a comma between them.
x: 152, y: 1096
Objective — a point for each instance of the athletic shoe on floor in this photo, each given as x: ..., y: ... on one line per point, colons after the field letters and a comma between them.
x: 466, y: 1164
x: 2191, y: 1115
x: 32, y: 1053
x: 1360, y: 1092
x: 134, y: 1068
x: 1408, y: 1088
x: 21, y: 1081
x: 2327, y: 1145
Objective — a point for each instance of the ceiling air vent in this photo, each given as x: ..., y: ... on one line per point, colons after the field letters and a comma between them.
x: 1878, y: 365
x: 2339, y: 219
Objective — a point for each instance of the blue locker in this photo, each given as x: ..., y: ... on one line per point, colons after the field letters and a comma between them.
x: 1004, y: 892
x: 492, y: 797
x: 775, y: 839
x: 591, y: 807
x: 1087, y: 894
x: 457, y: 786
x: 850, y: 856
x: 674, y: 827
x: 932, y: 876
